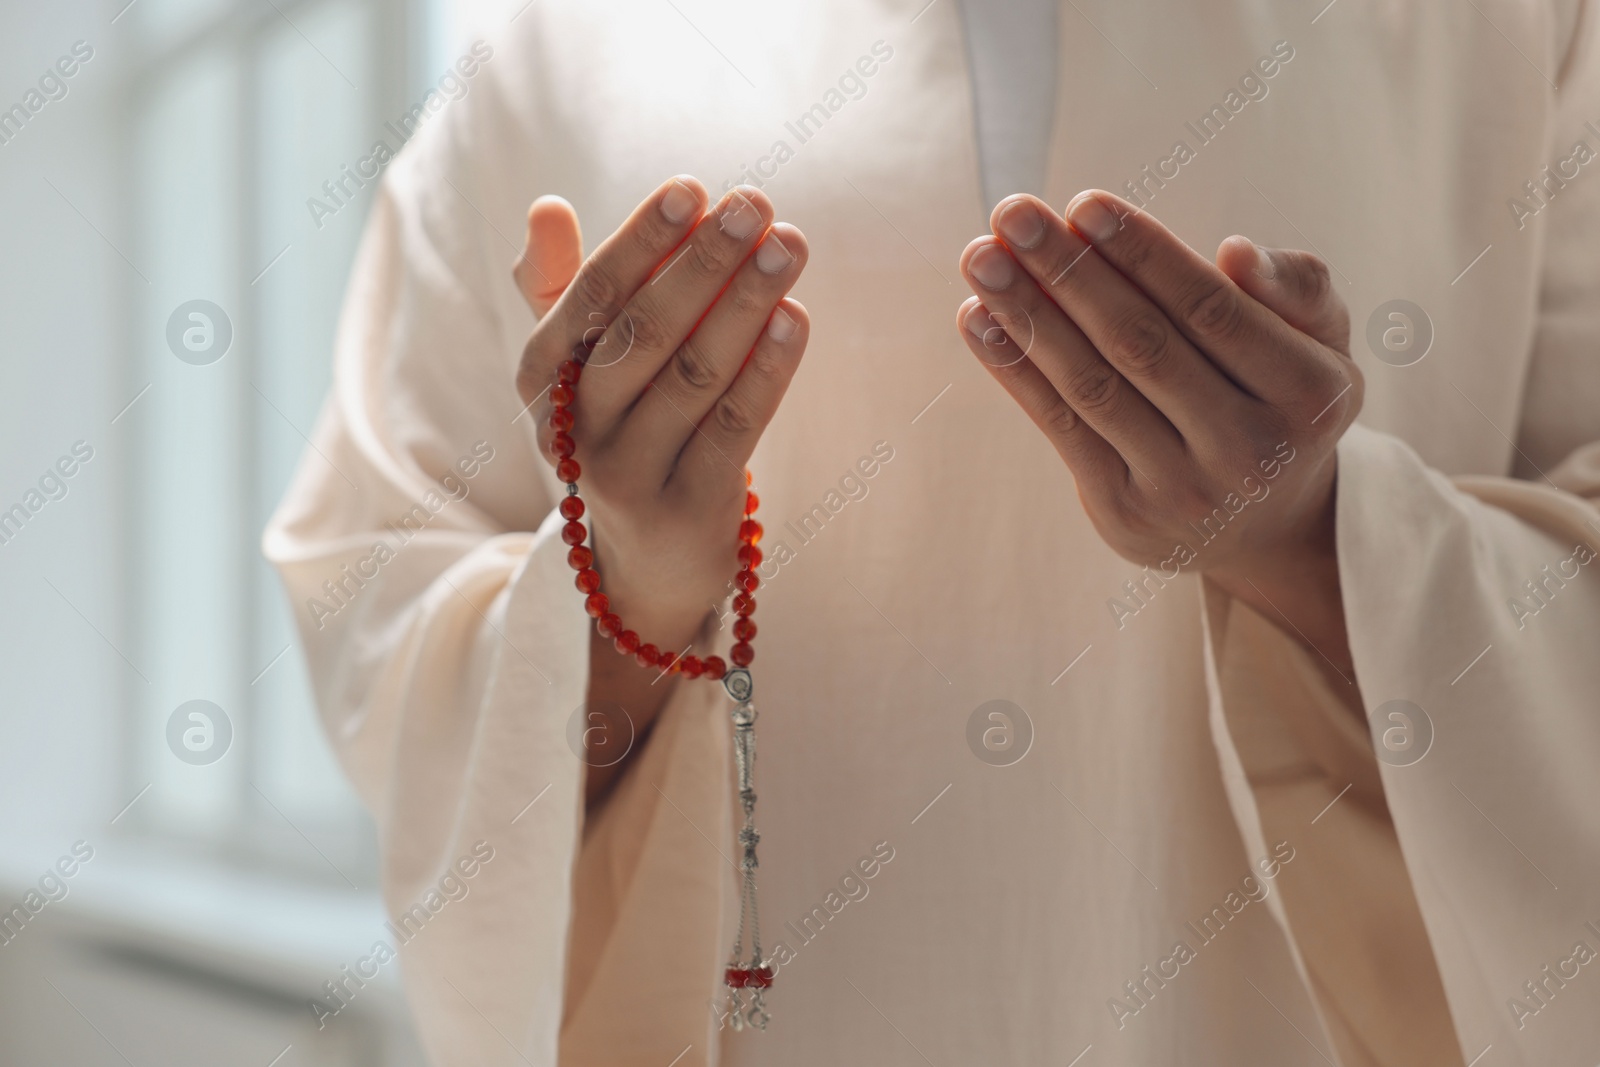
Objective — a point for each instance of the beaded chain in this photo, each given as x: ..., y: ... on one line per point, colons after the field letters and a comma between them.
x: 752, y: 973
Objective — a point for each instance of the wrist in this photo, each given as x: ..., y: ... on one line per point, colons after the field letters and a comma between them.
x: 1292, y: 578
x: 1298, y: 591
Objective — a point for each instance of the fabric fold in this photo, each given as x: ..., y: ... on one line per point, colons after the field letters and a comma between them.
x: 450, y: 656
x: 1471, y: 608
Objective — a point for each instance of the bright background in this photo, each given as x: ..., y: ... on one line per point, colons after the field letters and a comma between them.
x: 220, y: 897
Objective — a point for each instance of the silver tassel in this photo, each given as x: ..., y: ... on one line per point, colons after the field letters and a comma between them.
x: 750, y: 973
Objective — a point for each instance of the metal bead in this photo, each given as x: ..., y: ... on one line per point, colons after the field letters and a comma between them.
x: 741, y: 687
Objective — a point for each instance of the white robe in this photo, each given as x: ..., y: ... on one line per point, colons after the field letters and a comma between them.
x: 1173, y: 747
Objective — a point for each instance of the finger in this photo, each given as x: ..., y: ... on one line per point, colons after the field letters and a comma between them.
x: 1131, y: 331
x: 728, y: 433
x: 1094, y: 387
x: 661, y: 314
x: 607, y: 279
x: 1253, y: 346
x: 551, y: 255
x: 709, y: 359
x: 1294, y: 285
x: 1095, y: 465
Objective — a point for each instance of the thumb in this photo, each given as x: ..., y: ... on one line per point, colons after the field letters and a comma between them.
x: 552, y: 254
x: 1295, y: 285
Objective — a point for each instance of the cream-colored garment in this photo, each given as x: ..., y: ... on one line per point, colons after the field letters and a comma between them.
x: 1022, y: 902
x: 1315, y: 782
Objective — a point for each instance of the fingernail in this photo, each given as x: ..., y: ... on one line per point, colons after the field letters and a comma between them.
x: 1265, y: 267
x: 1092, y: 218
x: 781, y: 326
x: 739, y: 217
x: 1021, y: 225
x: 991, y: 267
x: 679, y: 203
x: 772, y: 257
x: 981, y: 325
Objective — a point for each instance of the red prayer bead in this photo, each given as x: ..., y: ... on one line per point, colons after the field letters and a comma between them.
x: 628, y: 642
x: 736, y: 977
x: 760, y: 978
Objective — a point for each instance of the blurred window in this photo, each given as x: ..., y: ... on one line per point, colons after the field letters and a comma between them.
x: 237, y: 114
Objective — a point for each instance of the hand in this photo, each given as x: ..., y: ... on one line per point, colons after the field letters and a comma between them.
x: 694, y: 346
x: 1197, y: 405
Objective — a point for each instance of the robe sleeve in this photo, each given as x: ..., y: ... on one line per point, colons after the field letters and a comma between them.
x: 1475, y: 600
x: 448, y: 651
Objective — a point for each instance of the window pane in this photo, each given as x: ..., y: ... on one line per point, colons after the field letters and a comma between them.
x: 312, y: 124
x: 161, y: 25
x: 187, y: 511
